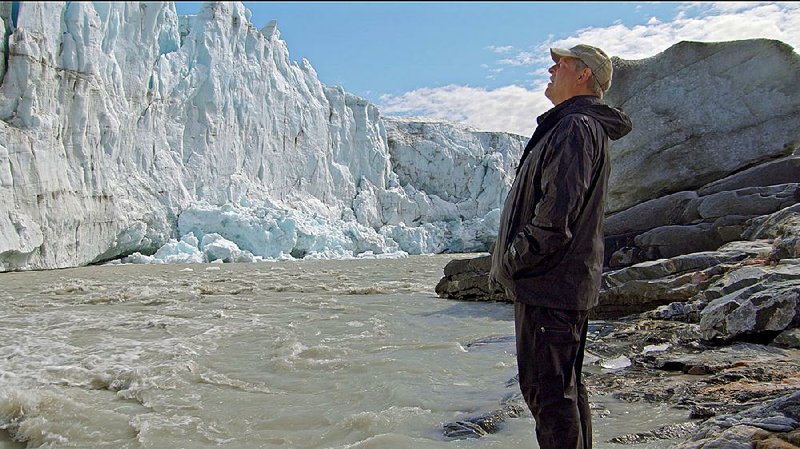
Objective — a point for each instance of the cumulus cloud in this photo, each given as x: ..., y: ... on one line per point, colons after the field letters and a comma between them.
x: 509, y: 108
x: 514, y: 108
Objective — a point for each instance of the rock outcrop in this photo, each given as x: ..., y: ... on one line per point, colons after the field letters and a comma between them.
x: 702, y: 112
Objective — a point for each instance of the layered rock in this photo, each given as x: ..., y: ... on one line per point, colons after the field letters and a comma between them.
x: 687, y: 222
x: 775, y: 424
x: 468, y: 280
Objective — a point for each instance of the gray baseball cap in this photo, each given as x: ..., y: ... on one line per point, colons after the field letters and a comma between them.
x: 593, y: 57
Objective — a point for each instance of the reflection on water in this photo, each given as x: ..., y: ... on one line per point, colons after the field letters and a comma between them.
x: 312, y: 354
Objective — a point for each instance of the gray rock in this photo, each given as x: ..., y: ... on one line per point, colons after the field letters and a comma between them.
x: 671, y: 241
x: 753, y: 248
x: 782, y: 171
x: 479, y: 426
x: 468, y: 279
x: 649, y: 285
x: 702, y: 111
x: 740, y: 429
x: 770, y: 305
x: 676, y: 265
x: 684, y: 208
x: 665, y: 432
x: 782, y: 226
x: 750, y: 201
x: 684, y: 311
x: 718, y: 360
x: 735, y: 280
x: 688, y: 224
x: 663, y: 211
x: 737, y: 437
x: 788, y: 339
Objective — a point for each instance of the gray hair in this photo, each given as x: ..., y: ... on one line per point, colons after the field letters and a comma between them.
x: 594, y: 84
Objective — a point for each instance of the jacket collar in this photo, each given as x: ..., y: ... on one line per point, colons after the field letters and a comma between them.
x: 574, y: 102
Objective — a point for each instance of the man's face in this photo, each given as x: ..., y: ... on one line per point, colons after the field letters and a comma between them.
x: 563, y: 81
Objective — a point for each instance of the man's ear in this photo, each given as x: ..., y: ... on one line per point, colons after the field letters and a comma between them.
x: 586, y: 74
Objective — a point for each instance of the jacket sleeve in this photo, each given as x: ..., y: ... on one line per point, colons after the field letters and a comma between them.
x: 568, y: 165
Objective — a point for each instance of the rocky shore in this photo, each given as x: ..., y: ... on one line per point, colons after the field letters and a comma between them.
x: 700, y: 298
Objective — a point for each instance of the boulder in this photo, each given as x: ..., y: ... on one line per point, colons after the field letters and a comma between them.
x: 702, y: 112
x: 468, y: 279
x: 763, y: 301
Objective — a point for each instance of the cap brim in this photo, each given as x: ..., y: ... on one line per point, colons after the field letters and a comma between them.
x: 558, y: 53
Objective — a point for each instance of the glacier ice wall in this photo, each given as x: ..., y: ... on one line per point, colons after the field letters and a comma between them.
x: 124, y: 127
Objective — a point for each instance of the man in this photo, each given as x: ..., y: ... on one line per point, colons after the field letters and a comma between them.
x: 549, y: 252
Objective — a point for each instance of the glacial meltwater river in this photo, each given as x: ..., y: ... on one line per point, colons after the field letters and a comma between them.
x: 309, y: 354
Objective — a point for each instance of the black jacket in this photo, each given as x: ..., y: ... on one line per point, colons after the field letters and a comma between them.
x: 549, y: 249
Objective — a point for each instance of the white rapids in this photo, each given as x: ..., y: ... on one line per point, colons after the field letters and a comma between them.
x: 311, y: 354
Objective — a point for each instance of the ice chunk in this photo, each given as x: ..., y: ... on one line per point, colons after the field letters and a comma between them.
x: 616, y: 363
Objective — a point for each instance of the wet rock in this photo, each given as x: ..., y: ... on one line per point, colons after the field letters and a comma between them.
x: 468, y: 279
x: 476, y: 427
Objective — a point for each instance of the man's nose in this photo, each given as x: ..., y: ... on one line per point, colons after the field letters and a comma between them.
x: 552, y: 69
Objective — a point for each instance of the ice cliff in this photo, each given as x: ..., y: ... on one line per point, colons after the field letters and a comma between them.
x: 127, y: 129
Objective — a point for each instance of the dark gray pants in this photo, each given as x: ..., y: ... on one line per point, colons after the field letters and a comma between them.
x: 550, y: 347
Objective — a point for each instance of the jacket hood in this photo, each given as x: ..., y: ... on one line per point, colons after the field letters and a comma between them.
x: 616, y: 123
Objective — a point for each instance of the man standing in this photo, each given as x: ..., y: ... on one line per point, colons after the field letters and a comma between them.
x: 549, y: 252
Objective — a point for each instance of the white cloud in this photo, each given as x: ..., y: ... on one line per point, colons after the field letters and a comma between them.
x: 514, y: 108
x: 695, y: 22
x: 509, y: 108
x: 500, y: 49
x: 523, y: 58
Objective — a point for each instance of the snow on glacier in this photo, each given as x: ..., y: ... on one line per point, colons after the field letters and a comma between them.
x: 126, y: 130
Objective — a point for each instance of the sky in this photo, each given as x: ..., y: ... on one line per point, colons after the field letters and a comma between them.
x: 484, y: 64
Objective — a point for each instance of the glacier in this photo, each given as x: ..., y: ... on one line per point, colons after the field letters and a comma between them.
x: 128, y: 132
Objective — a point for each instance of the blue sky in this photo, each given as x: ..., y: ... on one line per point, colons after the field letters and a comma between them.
x: 484, y: 63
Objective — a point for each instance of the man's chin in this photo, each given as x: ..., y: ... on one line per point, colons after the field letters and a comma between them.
x: 549, y: 97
